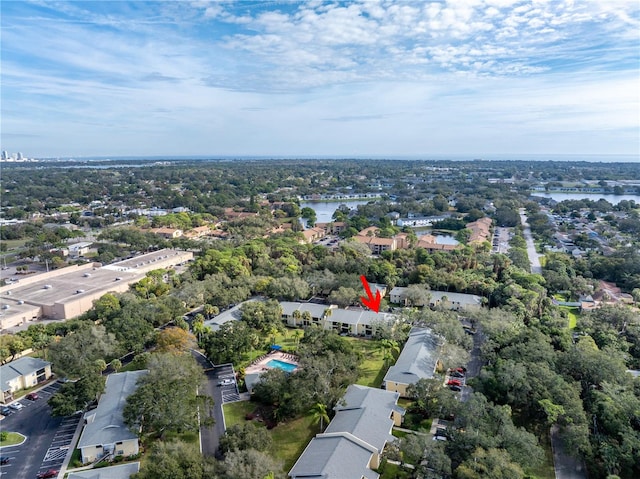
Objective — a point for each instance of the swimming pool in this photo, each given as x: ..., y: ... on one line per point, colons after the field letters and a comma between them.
x: 285, y: 366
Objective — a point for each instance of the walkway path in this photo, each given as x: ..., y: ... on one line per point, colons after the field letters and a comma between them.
x: 566, y: 466
x: 534, y: 257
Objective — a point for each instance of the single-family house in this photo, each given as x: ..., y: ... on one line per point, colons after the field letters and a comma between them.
x: 352, y: 444
x: 23, y: 373
x: 105, y: 433
x: 418, y: 360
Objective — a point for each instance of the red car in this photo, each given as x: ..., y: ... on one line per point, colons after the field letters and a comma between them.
x: 47, y: 474
x: 453, y: 382
x: 32, y: 396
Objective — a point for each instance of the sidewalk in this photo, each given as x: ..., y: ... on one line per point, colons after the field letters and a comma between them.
x: 72, y: 447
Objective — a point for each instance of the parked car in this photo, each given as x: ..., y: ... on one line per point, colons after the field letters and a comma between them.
x: 455, y: 388
x: 226, y: 382
x: 454, y: 382
x: 460, y: 370
x: 5, y: 411
x: 4, y: 460
x: 16, y: 406
x: 47, y: 474
x: 32, y: 396
x: 456, y: 374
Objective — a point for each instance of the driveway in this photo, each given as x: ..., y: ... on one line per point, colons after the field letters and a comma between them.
x: 210, y: 435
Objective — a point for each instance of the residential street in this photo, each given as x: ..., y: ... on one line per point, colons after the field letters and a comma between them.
x: 534, y: 258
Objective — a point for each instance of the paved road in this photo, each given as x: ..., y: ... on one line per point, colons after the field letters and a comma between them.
x: 534, y: 258
x: 210, y: 435
x: 47, y: 441
x: 566, y: 467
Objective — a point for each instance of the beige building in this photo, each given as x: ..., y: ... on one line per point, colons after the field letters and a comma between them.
x: 352, y: 444
x: 105, y: 435
x: 418, y: 360
x: 69, y: 292
x: 22, y: 373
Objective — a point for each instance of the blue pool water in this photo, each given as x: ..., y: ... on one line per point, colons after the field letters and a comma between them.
x: 276, y: 363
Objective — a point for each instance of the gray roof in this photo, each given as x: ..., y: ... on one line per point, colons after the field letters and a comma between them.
x: 20, y: 367
x: 358, y: 316
x: 361, y: 427
x: 121, y: 471
x: 316, y: 310
x: 107, y: 426
x: 463, y: 299
x: 418, y: 358
x: 366, y: 414
x: 334, y: 457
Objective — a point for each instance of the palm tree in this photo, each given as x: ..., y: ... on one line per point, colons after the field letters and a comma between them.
x: 296, y: 317
x: 319, y: 413
x: 297, y: 334
x: 210, y: 310
x: 306, y: 316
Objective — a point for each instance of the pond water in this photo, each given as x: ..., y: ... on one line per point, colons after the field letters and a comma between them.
x: 325, y: 209
x: 441, y: 238
x: 613, y: 199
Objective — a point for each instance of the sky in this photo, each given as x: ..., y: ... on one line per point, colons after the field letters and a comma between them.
x: 316, y: 78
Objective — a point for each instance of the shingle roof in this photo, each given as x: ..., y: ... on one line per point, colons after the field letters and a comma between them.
x: 107, y: 426
x: 366, y: 414
x: 121, y: 471
x: 20, y: 367
x: 334, y: 457
x: 418, y: 358
x: 361, y: 427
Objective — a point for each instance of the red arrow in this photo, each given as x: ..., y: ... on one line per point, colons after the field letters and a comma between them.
x: 372, y: 303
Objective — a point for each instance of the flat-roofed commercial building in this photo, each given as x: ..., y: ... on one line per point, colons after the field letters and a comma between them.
x: 68, y: 292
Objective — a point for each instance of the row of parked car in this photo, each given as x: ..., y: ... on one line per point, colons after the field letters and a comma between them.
x: 456, y: 378
x: 16, y: 406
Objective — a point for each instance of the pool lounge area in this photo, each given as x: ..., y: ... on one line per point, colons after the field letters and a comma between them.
x: 275, y: 359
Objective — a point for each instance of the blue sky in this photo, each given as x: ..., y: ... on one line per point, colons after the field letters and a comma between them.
x: 357, y: 78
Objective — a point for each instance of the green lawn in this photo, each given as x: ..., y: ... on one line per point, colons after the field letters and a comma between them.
x: 12, y: 438
x: 372, y: 369
x: 289, y: 438
x: 573, y: 317
x: 235, y: 412
x: 393, y: 471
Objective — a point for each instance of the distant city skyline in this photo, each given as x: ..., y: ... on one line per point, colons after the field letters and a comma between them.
x: 353, y: 79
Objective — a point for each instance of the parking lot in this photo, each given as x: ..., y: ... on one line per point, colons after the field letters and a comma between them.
x: 229, y: 391
x: 48, y: 439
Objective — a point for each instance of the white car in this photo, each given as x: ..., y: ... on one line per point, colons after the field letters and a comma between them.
x: 226, y: 382
x: 16, y: 406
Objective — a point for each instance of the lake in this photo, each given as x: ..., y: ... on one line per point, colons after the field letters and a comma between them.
x: 325, y: 209
x: 613, y: 199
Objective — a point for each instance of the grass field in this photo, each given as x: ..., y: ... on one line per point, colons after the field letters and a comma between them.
x: 289, y: 438
x: 12, y: 438
x: 372, y: 369
x: 573, y: 314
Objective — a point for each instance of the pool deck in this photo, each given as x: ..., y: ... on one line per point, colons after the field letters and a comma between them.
x: 260, y: 364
